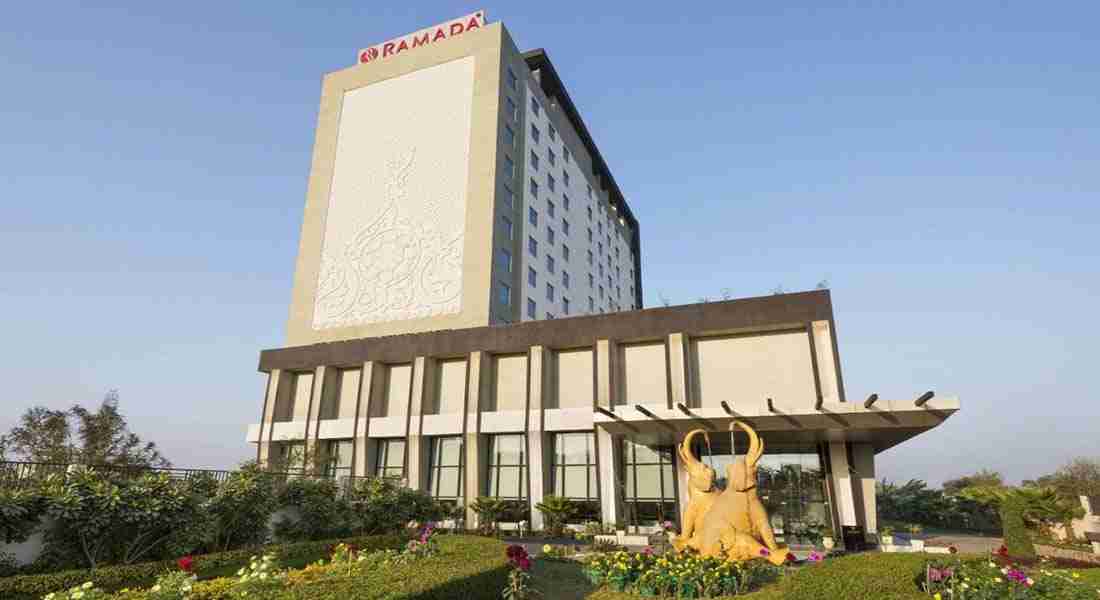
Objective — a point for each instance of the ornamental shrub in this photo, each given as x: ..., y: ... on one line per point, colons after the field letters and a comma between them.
x: 677, y: 575
x: 1017, y: 538
x: 20, y: 513
x: 382, y: 505
x: 144, y: 575
x: 556, y: 511
x: 240, y: 508
x: 320, y: 511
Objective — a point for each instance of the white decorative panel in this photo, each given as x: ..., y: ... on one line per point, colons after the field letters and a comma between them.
x: 393, y: 235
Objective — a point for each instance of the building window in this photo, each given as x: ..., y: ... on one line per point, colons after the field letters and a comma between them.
x: 535, y: 106
x: 292, y: 457
x: 532, y: 246
x: 599, y: 245
x: 509, y: 136
x: 390, y: 461
x: 532, y: 277
x: 565, y: 178
x: 534, y: 187
x: 599, y: 226
x: 445, y: 469
x: 601, y: 292
x: 509, y: 166
x: 589, y: 235
x: 565, y: 279
x: 550, y: 236
x: 532, y: 217
x: 551, y: 209
x: 511, y: 79
x: 534, y: 161
x: 649, y: 492
x: 505, y: 258
x: 549, y: 263
x: 591, y: 280
x: 531, y: 308
x: 551, y: 157
x: 505, y: 294
x: 553, y: 133
x: 591, y: 304
x: 565, y: 306
x: 509, y: 196
x: 589, y: 257
x: 565, y: 154
x: 534, y: 133
x: 337, y: 459
x: 550, y: 183
x: 588, y: 190
x: 549, y: 292
x: 565, y: 252
x: 507, y: 466
x: 589, y: 212
x: 573, y: 472
x: 511, y: 108
x: 564, y: 223
x: 565, y: 201
x: 506, y: 225
x: 616, y: 254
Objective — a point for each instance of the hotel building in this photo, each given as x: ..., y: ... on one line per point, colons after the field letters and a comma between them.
x: 467, y: 316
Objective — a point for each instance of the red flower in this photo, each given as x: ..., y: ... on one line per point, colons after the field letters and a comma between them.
x: 1002, y: 551
x: 523, y: 563
x: 791, y: 557
x: 515, y: 550
x: 186, y: 564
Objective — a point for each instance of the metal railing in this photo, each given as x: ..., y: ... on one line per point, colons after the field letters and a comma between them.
x: 28, y: 475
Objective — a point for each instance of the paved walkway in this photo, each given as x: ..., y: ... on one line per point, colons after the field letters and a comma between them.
x: 969, y: 544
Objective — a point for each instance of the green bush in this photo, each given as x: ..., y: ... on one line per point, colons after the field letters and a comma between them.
x: 868, y: 575
x: 240, y: 508
x: 556, y: 511
x: 382, y: 505
x: 320, y: 511
x: 33, y: 587
x: 1017, y: 538
x: 20, y: 512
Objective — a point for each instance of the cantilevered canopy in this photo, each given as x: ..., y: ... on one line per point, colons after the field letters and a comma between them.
x: 884, y: 424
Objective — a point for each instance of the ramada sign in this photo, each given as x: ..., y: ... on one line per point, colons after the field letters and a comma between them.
x: 423, y: 37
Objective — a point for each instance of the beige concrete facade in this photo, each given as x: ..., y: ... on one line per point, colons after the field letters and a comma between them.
x: 662, y: 386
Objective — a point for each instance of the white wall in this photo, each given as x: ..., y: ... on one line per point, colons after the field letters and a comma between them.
x: 394, y: 232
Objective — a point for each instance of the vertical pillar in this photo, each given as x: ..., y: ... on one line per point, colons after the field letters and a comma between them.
x: 267, y: 417
x: 416, y: 468
x: 536, y: 385
x: 863, y: 463
x: 364, y: 451
x: 605, y: 396
x: 477, y: 373
x: 826, y: 362
x: 312, y: 419
x: 678, y: 370
x: 608, y: 465
x: 683, y: 493
x: 842, y: 484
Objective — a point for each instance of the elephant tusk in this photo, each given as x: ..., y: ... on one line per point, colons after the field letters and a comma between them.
x: 756, y: 446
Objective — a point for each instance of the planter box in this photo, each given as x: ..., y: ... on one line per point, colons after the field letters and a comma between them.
x: 624, y: 539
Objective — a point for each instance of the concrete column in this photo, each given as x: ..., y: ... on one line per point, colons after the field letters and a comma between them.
x: 536, y: 385
x: 842, y: 484
x: 826, y: 362
x: 478, y: 371
x: 863, y: 463
x: 605, y: 350
x: 267, y: 418
x: 417, y: 448
x: 312, y: 418
x: 608, y: 465
x: 683, y: 494
x: 364, y: 451
x: 678, y: 370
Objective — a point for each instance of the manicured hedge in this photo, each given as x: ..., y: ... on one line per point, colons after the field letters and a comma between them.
x: 467, y: 567
x: 33, y: 587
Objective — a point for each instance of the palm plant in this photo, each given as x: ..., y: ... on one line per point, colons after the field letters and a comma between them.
x: 488, y: 512
x: 556, y: 510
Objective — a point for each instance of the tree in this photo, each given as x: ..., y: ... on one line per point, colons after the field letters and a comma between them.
x: 79, y: 435
x: 983, y: 478
x: 1078, y: 477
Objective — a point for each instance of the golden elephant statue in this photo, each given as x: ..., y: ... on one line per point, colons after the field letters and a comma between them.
x: 730, y: 523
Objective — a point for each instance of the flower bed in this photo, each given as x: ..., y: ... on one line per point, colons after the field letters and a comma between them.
x: 677, y: 574
x: 34, y: 587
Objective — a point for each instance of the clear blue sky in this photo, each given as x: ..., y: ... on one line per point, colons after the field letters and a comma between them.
x: 939, y: 164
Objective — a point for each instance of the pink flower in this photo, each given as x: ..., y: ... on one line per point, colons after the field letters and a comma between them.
x: 648, y: 551
x: 815, y: 556
x: 765, y: 552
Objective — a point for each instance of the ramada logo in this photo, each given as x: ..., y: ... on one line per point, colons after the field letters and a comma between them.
x: 423, y: 37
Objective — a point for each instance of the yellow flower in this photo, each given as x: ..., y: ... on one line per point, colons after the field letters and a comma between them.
x: 937, y: 596
x: 1076, y: 575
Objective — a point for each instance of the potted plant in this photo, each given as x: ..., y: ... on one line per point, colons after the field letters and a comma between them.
x: 914, y: 530
x: 886, y: 535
